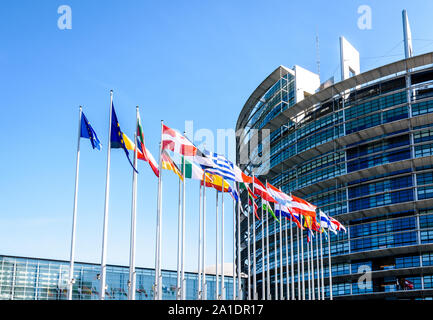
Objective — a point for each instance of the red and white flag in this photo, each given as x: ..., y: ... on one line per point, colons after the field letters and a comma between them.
x: 408, y: 284
x: 174, y: 141
x: 260, y: 190
x: 240, y: 176
x: 147, y: 156
x: 278, y: 195
x: 336, y: 225
x: 302, y: 207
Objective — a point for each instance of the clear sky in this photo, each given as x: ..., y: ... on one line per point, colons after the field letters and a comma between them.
x: 178, y: 60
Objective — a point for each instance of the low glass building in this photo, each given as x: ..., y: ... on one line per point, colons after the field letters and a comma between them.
x: 361, y: 150
x: 42, y: 279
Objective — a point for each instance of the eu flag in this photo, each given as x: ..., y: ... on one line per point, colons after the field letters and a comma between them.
x: 88, y: 132
x: 117, y: 136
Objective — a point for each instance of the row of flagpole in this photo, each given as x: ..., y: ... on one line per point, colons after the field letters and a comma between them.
x: 313, y: 285
x: 220, y: 292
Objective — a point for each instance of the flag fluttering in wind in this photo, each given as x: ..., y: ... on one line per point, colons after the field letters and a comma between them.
x: 118, y: 138
x: 85, y: 130
x: 268, y: 208
x: 88, y: 132
x: 309, y: 223
x: 174, y: 141
x: 240, y: 176
x: 278, y: 195
x: 324, y: 220
x: 142, y: 152
x: 251, y: 202
x: 168, y: 164
x: 260, y: 190
x: 285, y: 212
x: 302, y: 207
x: 408, y: 284
x: 250, y: 192
x: 234, y: 194
x: 216, y: 182
x: 192, y: 170
x: 327, y: 222
x: 220, y: 166
x: 201, y: 159
x: 336, y: 225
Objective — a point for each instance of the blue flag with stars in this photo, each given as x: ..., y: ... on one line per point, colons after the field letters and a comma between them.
x: 117, y: 136
x: 88, y: 132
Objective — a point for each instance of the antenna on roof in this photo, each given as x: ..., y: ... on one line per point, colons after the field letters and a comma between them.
x: 317, y: 54
x: 407, y: 35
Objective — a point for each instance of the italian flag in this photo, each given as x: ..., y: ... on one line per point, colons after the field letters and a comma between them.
x: 192, y: 170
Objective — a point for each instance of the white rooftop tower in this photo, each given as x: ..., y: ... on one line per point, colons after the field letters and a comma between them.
x: 349, y: 56
x: 407, y: 35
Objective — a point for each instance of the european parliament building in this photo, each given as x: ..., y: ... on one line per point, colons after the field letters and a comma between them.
x: 362, y: 151
x: 24, y: 278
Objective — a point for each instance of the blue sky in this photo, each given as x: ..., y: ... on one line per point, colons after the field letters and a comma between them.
x: 177, y: 60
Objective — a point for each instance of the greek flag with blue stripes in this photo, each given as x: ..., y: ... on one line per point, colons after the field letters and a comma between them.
x: 221, y: 166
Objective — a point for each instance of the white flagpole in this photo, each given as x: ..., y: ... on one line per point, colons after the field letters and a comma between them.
x: 254, y: 254
x: 291, y: 259
x: 263, y: 257
x: 321, y: 268
x: 298, y: 274
x: 330, y: 266
x: 249, y: 252
x: 281, y: 259
x: 234, y: 250
x: 158, y: 276
x: 74, y: 214
x: 107, y: 198
x: 302, y: 261
x: 312, y: 267
x: 287, y: 259
x: 217, y: 296
x: 309, y: 269
x: 199, y: 291
x: 239, y: 244
x: 318, y: 267
x: 223, y: 287
x: 268, y: 268
x: 132, y: 284
x: 204, y: 282
x: 275, y: 258
x: 183, y: 285
x: 179, y: 240
x: 254, y: 258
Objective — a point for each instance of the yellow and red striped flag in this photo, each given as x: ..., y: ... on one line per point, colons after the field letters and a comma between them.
x: 168, y: 164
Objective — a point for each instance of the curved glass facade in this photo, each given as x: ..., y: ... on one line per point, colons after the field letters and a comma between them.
x: 364, y: 156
